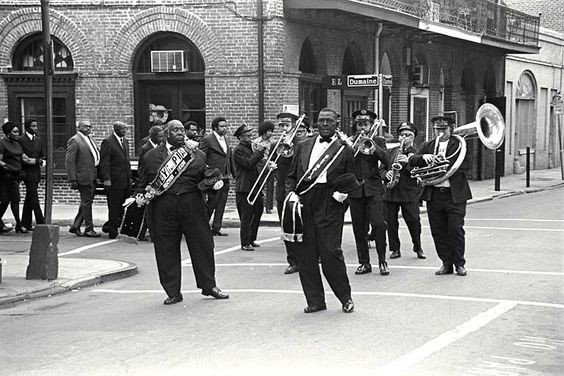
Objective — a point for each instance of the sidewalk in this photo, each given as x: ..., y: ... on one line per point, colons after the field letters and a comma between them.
x: 78, y: 272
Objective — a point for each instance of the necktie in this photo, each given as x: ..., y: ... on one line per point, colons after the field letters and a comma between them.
x: 322, y: 139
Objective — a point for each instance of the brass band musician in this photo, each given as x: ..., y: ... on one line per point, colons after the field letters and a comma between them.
x: 402, y: 191
x: 367, y: 205
x: 287, y: 122
x: 446, y: 201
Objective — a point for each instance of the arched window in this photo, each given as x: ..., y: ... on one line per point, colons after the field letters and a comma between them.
x: 29, y: 55
x: 352, y: 60
x: 169, y: 42
x: 307, y: 59
x: 526, y: 87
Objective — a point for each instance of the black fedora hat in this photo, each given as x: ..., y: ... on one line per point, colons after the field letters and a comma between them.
x: 346, y: 183
x: 211, y: 176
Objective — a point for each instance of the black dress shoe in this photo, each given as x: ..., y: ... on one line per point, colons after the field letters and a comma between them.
x: 363, y: 269
x: 395, y: 254
x: 315, y: 308
x: 461, y: 271
x: 420, y: 255
x: 445, y: 269
x: 216, y: 293
x: 348, y: 307
x: 91, y: 234
x: 255, y: 245
x: 173, y: 299
x: 218, y: 233
x: 291, y: 269
x: 21, y: 230
x: 76, y: 231
x: 247, y: 248
x: 113, y: 234
x: 384, y: 269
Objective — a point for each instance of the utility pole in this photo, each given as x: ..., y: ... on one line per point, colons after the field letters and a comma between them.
x: 48, y: 80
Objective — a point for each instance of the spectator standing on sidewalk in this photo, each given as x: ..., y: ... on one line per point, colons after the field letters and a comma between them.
x: 81, y: 160
x: 11, y: 159
x: 33, y: 147
x: 265, y: 131
x: 218, y: 155
x: 116, y: 175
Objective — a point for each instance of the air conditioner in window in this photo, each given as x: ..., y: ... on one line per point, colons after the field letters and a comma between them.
x: 420, y: 75
x: 168, y: 61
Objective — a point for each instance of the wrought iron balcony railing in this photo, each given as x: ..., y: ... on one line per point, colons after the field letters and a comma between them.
x: 483, y: 17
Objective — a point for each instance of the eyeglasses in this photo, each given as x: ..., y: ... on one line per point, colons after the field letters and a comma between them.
x: 178, y: 130
x: 406, y: 135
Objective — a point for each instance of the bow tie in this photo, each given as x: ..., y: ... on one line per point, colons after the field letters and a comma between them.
x: 321, y: 140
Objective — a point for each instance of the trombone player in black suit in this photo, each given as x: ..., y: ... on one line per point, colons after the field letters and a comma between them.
x: 367, y: 203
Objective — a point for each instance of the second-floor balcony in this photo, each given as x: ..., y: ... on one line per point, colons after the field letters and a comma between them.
x: 483, y: 17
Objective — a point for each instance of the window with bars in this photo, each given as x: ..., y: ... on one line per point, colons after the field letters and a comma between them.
x: 29, y: 55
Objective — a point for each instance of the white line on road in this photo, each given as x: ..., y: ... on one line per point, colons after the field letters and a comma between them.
x: 362, y: 293
x: 514, y: 219
x: 414, y: 357
x: 276, y: 264
x: 512, y: 228
x: 87, y: 247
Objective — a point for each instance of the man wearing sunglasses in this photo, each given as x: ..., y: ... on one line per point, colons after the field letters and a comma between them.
x: 404, y: 195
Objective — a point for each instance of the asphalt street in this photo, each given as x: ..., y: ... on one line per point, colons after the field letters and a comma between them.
x: 504, y: 318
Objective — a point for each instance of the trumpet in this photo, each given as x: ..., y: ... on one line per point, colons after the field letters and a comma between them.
x: 283, y: 149
x: 365, y: 144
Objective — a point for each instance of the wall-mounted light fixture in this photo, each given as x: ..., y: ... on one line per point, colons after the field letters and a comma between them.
x: 407, y: 55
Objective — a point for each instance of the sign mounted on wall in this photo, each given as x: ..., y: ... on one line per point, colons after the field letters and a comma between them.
x: 357, y: 81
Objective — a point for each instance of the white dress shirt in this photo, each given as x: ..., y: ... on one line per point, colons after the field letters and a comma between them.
x: 317, y: 151
x: 221, y: 141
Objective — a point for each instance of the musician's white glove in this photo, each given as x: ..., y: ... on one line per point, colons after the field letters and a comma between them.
x: 139, y: 199
x: 191, y: 144
x: 402, y: 158
x: 429, y: 158
x: 271, y: 165
x: 218, y: 185
x: 340, y: 197
x: 293, y: 197
x: 128, y: 201
x: 389, y: 175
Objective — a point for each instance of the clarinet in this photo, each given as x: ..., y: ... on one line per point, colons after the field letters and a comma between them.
x: 396, y: 167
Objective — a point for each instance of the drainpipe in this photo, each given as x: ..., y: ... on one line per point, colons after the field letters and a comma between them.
x: 378, y: 105
x: 260, y: 45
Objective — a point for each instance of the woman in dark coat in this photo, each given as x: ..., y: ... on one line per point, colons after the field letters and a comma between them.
x: 11, y: 159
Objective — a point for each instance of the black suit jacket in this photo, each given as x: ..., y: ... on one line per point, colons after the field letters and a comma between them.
x: 245, y: 167
x: 300, y: 161
x: 215, y: 156
x: 33, y: 149
x: 407, y: 189
x: 459, y: 187
x: 142, y: 151
x: 367, y: 168
x: 114, y: 162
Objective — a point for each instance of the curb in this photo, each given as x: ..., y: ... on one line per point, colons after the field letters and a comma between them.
x: 58, y: 288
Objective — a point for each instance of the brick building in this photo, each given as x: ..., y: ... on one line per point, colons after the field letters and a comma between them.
x: 142, y: 60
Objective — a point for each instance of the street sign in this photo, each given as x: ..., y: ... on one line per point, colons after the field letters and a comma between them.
x: 558, y: 104
x: 356, y: 81
x: 365, y: 80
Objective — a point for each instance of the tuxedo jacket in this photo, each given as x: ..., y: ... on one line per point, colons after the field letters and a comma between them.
x: 114, y: 162
x: 215, y: 156
x: 300, y: 162
x: 459, y: 187
x: 79, y: 161
x: 33, y: 149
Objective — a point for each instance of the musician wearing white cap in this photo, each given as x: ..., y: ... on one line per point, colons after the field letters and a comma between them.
x: 446, y: 201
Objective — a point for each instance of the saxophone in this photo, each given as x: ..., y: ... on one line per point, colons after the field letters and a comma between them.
x: 396, y: 167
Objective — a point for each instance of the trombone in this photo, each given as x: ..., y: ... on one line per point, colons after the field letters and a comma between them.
x: 282, y: 148
x: 365, y: 144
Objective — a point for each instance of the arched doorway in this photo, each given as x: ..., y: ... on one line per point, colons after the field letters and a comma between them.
x: 168, y: 73
x: 312, y: 95
x: 26, y: 92
x: 386, y: 70
x: 352, y: 99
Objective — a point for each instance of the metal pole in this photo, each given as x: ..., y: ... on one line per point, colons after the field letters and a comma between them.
x: 528, y: 168
x: 498, y: 155
x: 559, y: 125
x: 260, y: 49
x: 48, y: 80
